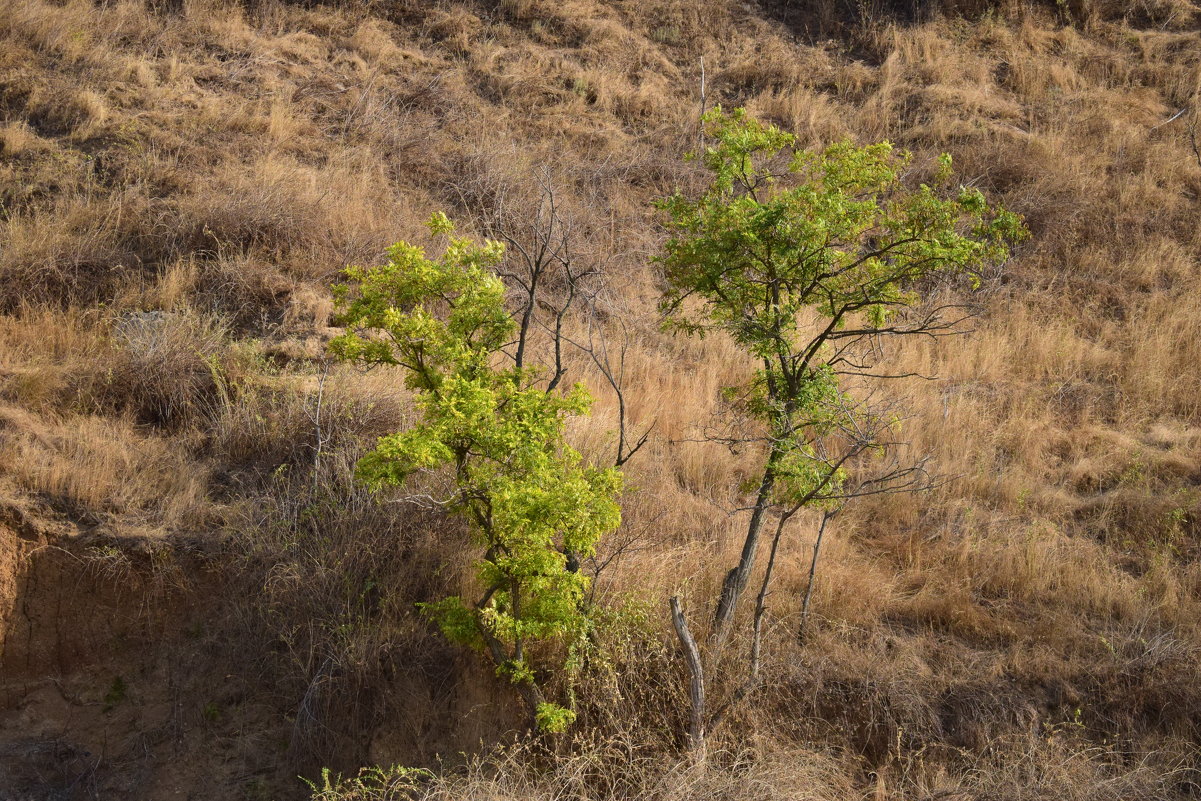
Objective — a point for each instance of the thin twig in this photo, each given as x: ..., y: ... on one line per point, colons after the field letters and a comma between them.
x: 817, y: 544
x: 321, y: 438
x: 1192, y: 136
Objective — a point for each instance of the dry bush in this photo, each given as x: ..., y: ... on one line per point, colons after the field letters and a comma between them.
x: 615, y: 768
x: 1062, y: 767
x: 76, y: 253
x: 267, y: 426
x: 19, y: 138
x: 331, y: 569
x: 44, y: 353
x: 166, y: 367
x: 279, y: 208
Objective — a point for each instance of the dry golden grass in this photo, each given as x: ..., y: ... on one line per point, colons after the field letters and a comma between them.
x: 180, y: 183
x: 98, y: 469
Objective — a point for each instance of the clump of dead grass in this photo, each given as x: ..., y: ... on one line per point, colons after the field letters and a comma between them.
x: 100, y: 470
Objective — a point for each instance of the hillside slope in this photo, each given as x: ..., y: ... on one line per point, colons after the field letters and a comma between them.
x: 197, y: 600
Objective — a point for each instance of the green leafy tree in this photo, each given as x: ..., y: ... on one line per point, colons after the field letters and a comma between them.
x: 534, y: 504
x: 808, y: 261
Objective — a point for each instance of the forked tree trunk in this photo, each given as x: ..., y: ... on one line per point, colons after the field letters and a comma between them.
x: 530, y: 692
x: 751, y: 682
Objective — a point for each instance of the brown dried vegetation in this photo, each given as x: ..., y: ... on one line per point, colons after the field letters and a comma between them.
x: 180, y: 182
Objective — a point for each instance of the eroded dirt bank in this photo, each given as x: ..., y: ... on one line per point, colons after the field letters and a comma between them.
x: 104, y: 672
x: 135, y: 669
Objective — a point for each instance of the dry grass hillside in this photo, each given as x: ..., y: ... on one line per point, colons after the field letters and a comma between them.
x: 197, y: 600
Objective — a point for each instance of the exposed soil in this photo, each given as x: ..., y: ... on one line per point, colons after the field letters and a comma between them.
x: 105, y: 674
x: 126, y: 672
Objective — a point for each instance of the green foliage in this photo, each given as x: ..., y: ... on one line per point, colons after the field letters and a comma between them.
x: 801, y: 257
x: 553, y: 718
x: 372, y: 784
x: 532, y: 499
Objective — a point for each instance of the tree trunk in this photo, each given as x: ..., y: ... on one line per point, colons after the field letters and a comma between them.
x: 751, y: 682
x: 530, y: 692
x: 761, y: 601
x: 736, y: 580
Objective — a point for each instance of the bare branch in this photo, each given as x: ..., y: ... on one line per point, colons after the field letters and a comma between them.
x: 817, y: 544
x: 320, y: 434
x: 1192, y: 128
x: 692, y: 658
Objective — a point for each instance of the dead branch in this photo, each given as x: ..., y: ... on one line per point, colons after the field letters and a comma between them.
x: 817, y: 544
x: 692, y: 657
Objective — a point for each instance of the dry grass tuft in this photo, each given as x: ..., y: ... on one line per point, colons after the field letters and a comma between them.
x: 100, y: 470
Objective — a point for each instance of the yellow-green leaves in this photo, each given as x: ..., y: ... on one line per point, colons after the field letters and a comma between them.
x: 554, y: 718
x: 424, y: 314
x: 805, y: 259
x: 536, y: 507
x: 440, y: 224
